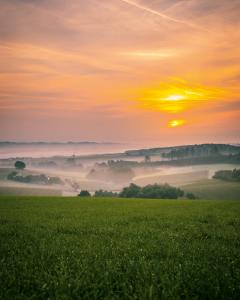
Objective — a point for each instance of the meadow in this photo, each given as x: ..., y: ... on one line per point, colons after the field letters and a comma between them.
x: 23, y: 190
x: 88, y: 248
x: 214, y: 189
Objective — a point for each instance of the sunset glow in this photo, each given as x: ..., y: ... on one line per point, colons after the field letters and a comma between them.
x: 174, y: 98
x: 120, y: 70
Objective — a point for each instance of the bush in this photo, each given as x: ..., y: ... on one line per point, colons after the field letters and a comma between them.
x: 84, y: 194
x: 20, y: 165
x: 12, y: 175
x: 191, y: 196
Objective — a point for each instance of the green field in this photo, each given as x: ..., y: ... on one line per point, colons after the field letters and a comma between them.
x: 73, y: 248
x: 30, y: 191
x: 214, y: 189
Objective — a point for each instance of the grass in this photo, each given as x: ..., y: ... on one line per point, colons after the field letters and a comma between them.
x: 30, y: 191
x: 172, y: 179
x: 214, y: 189
x: 76, y: 248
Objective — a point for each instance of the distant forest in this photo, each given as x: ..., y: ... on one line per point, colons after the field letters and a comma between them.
x: 214, y: 159
x: 188, y: 151
x: 171, y: 156
x: 10, y: 143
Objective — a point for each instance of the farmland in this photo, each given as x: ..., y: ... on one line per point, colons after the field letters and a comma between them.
x: 88, y: 248
x: 214, y: 189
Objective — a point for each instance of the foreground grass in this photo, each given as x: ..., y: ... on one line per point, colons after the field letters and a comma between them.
x: 73, y: 248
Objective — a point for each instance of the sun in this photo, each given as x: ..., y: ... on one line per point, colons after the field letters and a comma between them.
x: 174, y: 98
x: 175, y: 123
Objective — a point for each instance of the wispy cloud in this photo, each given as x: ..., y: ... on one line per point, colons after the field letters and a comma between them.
x: 162, y: 15
x: 152, y: 54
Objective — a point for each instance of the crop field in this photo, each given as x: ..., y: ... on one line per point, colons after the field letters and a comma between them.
x: 214, y: 189
x: 80, y: 248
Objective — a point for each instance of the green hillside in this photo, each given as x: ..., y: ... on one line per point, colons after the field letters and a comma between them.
x: 214, y: 189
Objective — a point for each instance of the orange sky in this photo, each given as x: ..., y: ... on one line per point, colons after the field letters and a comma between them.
x: 157, y: 72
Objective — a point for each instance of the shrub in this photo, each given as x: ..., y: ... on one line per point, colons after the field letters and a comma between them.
x: 12, y: 175
x: 84, y: 193
x: 191, y: 196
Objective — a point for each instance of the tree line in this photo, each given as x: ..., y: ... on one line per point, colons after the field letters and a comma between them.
x: 228, y: 175
x: 152, y: 191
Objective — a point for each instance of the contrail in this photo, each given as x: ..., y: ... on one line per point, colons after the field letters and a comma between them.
x: 166, y: 17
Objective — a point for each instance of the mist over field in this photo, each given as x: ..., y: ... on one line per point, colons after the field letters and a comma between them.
x: 101, y: 166
x: 41, y: 149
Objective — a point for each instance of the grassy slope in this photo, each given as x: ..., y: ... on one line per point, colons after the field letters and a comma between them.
x: 214, y: 189
x: 73, y: 248
x: 30, y: 191
x: 173, y: 179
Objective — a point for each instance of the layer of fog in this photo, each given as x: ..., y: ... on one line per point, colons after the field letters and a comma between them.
x: 68, y: 149
x: 76, y: 179
x: 77, y: 170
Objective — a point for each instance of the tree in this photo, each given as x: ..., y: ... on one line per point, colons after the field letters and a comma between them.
x: 147, y: 159
x: 132, y: 191
x: 84, y: 193
x: 71, y: 160
x: 101, y: 193
x: 154, y: 191
x: 20, y: 165
x: 229, y: 175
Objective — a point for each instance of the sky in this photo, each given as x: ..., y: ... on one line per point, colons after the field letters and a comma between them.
x: 156, y: 72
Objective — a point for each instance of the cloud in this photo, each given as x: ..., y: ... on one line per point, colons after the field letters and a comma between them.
x: 162, y: 15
